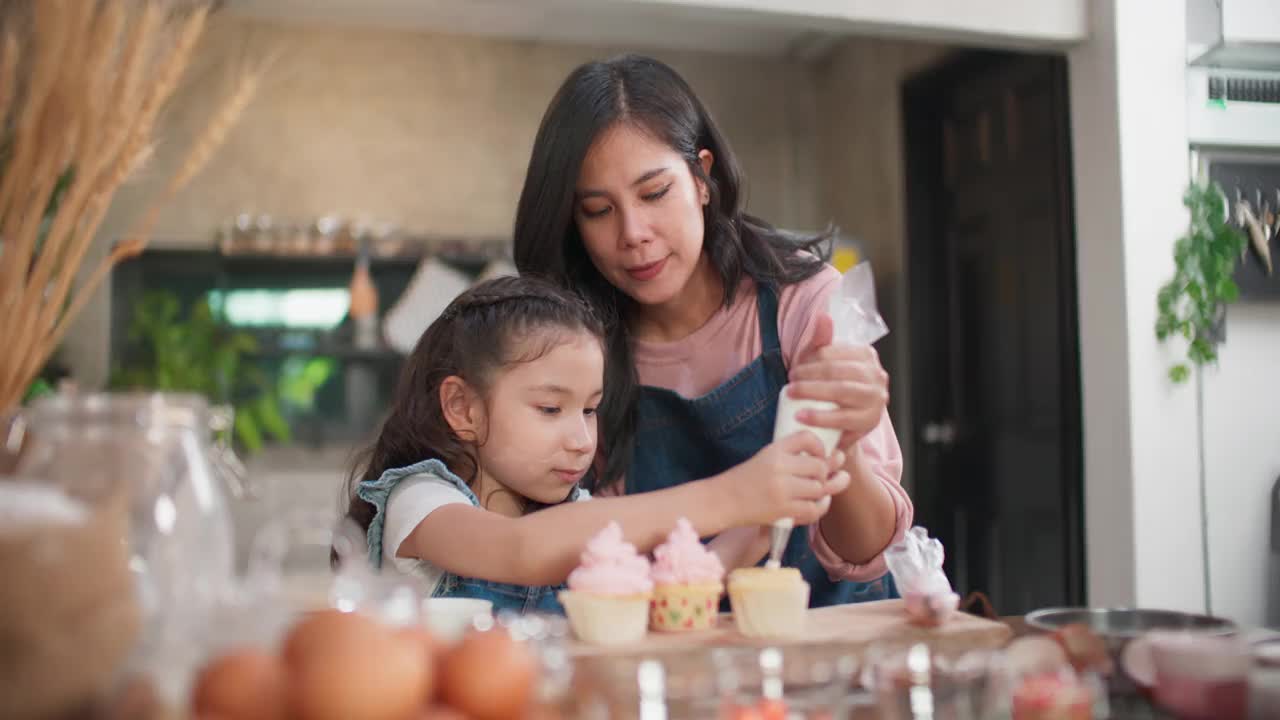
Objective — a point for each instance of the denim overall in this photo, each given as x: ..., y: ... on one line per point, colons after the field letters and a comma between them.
x: 504, y: 596
x: 678, y: 440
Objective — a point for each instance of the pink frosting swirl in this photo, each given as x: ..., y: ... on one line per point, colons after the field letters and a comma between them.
x: 611, y: 566
x: 684, y: 559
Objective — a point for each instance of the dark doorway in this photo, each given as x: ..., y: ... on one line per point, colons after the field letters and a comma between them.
x: 994, y: 342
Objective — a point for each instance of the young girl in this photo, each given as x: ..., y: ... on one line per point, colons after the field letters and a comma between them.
x: 495, y: 418
x: 634, y: 197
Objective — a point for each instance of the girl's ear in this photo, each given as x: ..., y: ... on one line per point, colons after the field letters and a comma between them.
x: 462, y: 408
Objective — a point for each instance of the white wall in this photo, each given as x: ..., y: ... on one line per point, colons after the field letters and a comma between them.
x: 863, y: 184
x: 1053, y: 22
x: 1240, y: 411
x: 1142, y: 454
x: 1127, y: 90
x: 1241, y: 416
x: 1142, y: 504
x: 429, y: 132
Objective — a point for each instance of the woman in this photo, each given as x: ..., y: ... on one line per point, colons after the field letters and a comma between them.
x: 632, y: 197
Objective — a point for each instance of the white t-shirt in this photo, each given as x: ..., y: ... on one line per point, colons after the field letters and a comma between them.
x: 411, y: 501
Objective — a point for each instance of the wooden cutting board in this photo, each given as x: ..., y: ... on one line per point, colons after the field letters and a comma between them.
x: 854, y: 626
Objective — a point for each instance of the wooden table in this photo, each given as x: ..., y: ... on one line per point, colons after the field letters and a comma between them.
x: 853, y: 627
x: 843, y: 629
x: 831, y: 633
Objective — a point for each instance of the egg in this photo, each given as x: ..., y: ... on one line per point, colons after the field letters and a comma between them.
x: 347, y: 665
x: 433, y: 650
x: 312, y: 629
x: 246, y: 684
x: 488, y: 676
x: 435, y: 645
x: 441, y: 712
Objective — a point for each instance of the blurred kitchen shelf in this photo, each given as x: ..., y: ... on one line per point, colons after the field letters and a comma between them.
x: 339, y: 352
x: 205, y: 261
x: 252, y: 262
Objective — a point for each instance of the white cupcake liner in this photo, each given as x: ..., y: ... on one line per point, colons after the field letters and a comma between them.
x: 770, y: 612
x: 606, y: 619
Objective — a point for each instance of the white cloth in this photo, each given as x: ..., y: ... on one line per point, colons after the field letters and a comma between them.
x: 412, y: 500
x: 433, y: 287
x: 416, y: 497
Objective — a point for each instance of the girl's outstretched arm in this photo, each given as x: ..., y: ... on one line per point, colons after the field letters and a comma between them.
x: 741, y: 546
x: 542, y: 548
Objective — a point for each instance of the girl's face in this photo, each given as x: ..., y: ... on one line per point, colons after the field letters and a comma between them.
x: 639, y: 211
x: 539, y: 420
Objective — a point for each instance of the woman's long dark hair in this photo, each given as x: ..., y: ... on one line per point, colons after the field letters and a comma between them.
x: 652, y: 96
x: 495, y: 324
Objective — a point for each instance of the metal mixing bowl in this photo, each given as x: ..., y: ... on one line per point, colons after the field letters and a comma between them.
x: 1123, y: 624
x: 1117, y: 626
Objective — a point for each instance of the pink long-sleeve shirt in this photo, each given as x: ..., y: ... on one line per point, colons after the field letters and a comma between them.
x: 685, y: 367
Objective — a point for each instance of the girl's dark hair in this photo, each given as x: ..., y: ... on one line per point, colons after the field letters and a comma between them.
x: 494, y: 324
x: 645, y: 93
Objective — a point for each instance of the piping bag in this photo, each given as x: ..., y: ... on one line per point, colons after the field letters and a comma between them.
x: 916, y: 564
x: 855, y: 321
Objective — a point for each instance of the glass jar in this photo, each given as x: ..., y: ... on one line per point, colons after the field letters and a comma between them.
x: 69, y: 614
x: 151, y: 454
x: 813, y: 682
x: 913, y: 680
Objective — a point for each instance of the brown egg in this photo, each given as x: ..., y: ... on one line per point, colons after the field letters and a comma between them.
x: 441, y: 712
x: 543, y: 713
x: 312, y: 626
x: 244, y: 684
x: 346, y: 665
x: 488, y: 676
x: 433, y: 649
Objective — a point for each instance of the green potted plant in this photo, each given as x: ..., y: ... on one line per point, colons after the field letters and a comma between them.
x: 200, y: 354
x: 1191, y: 305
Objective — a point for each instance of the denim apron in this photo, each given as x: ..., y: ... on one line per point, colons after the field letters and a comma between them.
x: 504, y: 596
x: 678, y: 440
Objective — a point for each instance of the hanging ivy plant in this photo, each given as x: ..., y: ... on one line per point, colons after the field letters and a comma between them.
x: 1191, y: 303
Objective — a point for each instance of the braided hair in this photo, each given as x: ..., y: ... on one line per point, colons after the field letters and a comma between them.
x: 494, y: 324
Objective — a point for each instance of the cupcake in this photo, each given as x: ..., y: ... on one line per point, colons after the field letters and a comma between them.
x: 608, y: 597
x: 768, y: 602
x: 686, y: 583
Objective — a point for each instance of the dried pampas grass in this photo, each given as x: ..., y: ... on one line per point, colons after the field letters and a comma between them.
x: 81, y: 85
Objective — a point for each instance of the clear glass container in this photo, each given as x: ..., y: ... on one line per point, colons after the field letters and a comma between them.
x: 69, y: 615
x: 152, y: 454
x: 816, y: 682
x: 795, y: 683
x: 290, y: 575
x: 918, y: 681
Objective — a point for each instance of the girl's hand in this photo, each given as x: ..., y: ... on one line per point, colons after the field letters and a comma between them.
x: 788, y: 478
x: 849, y: 376
x: 741, y: 546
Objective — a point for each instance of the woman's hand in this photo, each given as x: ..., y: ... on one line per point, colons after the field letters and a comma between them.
x: 849, y: 376
x: 788, y: 478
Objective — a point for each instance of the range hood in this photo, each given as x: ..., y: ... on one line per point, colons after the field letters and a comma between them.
x: 1237, y: 34
x: 1233, y: 77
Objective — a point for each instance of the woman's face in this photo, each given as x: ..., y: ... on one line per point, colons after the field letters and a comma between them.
x: 639, y: 212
